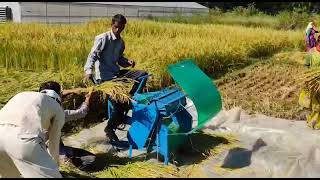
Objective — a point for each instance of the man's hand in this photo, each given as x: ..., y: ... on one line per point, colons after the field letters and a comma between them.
x: 63, y: 159
x: 87, y: 77
x: 71, y: 91
x: 132, y: 63
x: 88, y: 96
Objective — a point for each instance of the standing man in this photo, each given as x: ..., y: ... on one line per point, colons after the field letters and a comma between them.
x: 106, y: 57
x: 25, y: 122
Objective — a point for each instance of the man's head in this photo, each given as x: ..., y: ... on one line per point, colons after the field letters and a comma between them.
x: 52, y: 89
x: 118, y: 24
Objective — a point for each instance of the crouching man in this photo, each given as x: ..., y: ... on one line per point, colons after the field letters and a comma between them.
x: 71, y: 115
x: 24, y: 122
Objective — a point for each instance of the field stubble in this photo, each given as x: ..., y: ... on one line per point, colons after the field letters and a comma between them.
x: 270, y: 87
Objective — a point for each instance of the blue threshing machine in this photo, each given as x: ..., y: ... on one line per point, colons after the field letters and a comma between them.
x: 160, y: 121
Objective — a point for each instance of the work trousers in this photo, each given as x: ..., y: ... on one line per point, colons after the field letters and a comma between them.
x: 23, y: 156
x: 118, y: 116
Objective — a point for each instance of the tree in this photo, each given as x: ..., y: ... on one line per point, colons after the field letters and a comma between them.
x: 266, y: 7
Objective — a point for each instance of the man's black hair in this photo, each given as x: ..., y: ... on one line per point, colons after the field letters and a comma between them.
x: 119, y: 18
x: 51, y: 85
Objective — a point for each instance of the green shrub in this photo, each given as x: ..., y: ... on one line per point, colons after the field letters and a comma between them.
x: 298, y: 18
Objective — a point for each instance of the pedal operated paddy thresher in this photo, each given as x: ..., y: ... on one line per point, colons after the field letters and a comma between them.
x: 160, y: 121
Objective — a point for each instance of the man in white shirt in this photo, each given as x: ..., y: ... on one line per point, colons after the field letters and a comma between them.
x: 24, y: 122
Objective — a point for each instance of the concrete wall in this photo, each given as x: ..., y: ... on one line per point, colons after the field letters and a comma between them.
x: 65, y: 12
x: 16, y: 11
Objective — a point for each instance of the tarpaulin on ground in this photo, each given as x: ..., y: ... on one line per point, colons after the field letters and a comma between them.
x: 269, y: 147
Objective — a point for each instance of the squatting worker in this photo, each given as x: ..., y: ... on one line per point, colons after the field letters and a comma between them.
x: 106, y: 57
x: 71, y: 115
x: 27, y: 121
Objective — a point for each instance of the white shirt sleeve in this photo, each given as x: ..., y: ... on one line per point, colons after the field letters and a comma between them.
x: 93, y: 55
x: 55, y: 134
x: 79, y: 113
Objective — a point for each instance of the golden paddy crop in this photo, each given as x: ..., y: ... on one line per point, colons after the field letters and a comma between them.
x: 153, y: 45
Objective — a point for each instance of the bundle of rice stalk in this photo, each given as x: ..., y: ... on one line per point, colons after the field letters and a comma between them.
x: 118, y: 89
x: 312, y: 81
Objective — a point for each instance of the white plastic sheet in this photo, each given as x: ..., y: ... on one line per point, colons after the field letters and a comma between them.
x: 270, y: 147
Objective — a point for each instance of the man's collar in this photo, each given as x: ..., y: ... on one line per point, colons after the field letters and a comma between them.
x: 112, y: 35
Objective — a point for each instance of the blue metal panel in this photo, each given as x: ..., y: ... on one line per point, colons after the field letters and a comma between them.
x: 172, y: 118
x: 143, y: 121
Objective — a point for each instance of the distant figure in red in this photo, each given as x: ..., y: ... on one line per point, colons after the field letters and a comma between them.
x: 310, y: 38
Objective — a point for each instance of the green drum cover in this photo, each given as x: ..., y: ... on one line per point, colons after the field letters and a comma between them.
x: 199, y: 88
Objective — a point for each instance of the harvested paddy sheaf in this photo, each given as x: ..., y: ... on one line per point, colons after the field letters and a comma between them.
x: 270, y: 86
x: 311, y: 80
x: 117, y: 90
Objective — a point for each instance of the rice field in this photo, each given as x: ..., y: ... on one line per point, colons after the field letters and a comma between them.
x: 32, y: 53
x: 153, y: 45
x: 256, y: 68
